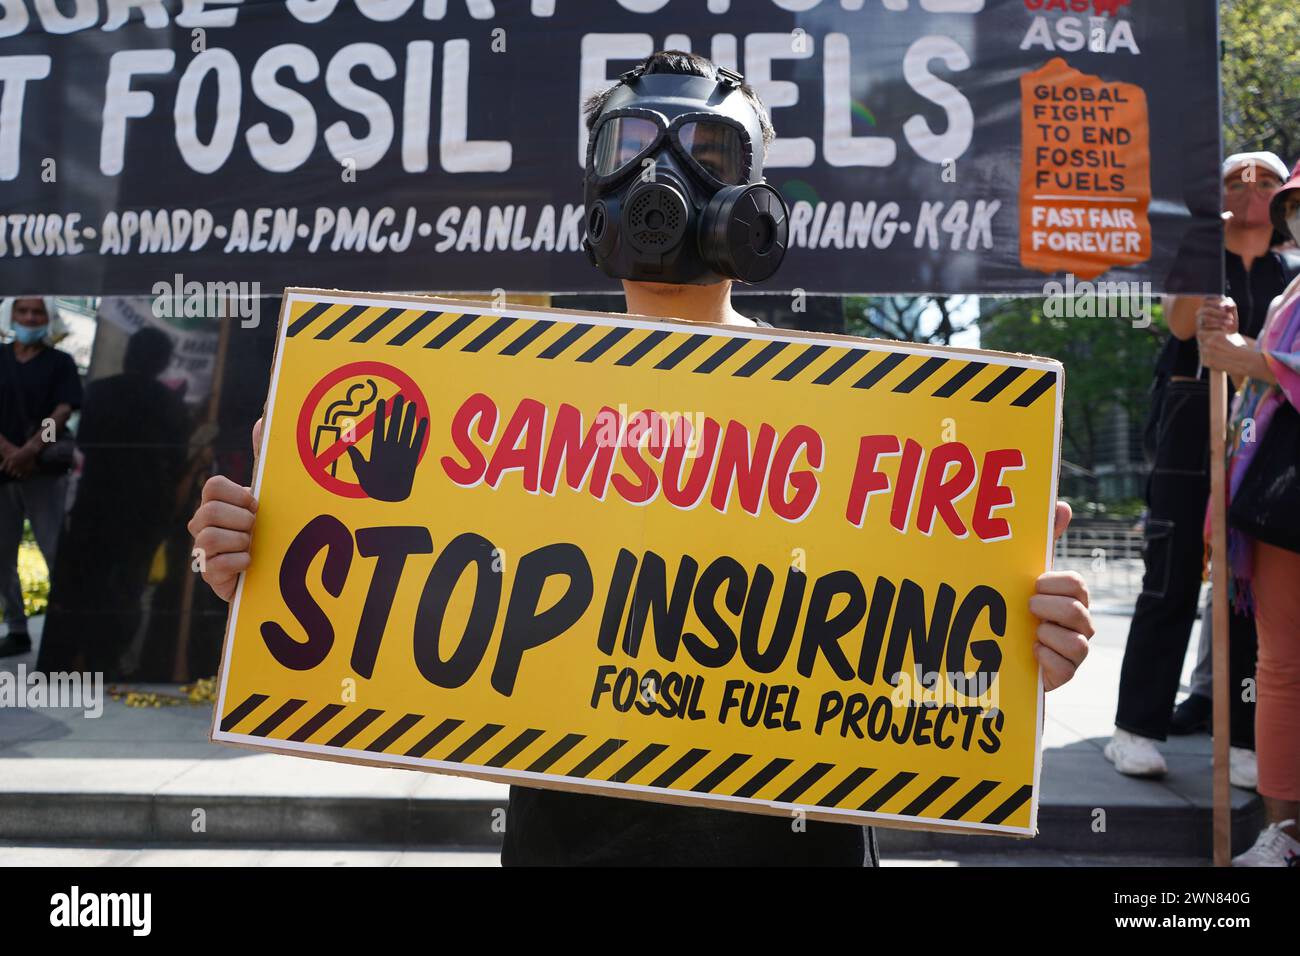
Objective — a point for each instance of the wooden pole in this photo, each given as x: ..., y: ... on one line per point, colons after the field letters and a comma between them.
x: 1219, y: 620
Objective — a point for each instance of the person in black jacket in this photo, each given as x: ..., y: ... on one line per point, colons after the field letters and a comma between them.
x: 39, y: 390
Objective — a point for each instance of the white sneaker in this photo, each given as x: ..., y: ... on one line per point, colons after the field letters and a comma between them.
x: 1243, y: 769
x: 1135, y: 756
x: 1274, y: 847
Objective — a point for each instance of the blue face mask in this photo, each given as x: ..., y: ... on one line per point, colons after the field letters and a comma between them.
x: 31, y: 334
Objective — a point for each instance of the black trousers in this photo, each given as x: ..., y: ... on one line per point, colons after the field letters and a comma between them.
x: 555, y: 828
x: 1171, y: 585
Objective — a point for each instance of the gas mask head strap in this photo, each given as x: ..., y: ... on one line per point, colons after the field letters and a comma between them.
x: 726, y: 77
x: 730, y: 78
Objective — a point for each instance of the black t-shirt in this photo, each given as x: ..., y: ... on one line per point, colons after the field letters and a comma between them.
x: 554, y: 828
x: 39, y: 385
x: 1253, y: 292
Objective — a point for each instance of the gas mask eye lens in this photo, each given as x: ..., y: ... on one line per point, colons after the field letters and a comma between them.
x: 717, y: 147
x: 621, y: 140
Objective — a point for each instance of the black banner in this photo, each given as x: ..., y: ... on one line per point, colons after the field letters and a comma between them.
x: 977, y: 146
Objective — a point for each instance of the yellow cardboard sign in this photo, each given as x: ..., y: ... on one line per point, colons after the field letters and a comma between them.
x: 741, y: 567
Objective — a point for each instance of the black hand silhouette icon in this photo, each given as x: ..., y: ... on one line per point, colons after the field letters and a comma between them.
x: 394, y: 453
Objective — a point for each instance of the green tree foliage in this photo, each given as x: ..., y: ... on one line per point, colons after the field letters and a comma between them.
x: 1261, y: 76
x: 931, y: 319
x: 1108, y: 366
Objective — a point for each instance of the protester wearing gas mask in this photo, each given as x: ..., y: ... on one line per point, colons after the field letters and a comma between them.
x: 677, y: 208
x: 1264, y: 528
x: 675, y: 193
x: 1177, y: 490
x: 39, y: 389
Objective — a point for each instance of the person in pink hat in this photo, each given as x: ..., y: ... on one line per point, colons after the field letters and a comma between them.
x: 1264, y: 528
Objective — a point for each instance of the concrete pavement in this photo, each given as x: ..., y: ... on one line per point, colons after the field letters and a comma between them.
x: 372, y: 856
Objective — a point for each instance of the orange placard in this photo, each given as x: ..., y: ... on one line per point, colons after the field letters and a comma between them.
x: 1085, y: 174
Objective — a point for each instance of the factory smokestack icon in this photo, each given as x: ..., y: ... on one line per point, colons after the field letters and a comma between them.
x: 341, y: 417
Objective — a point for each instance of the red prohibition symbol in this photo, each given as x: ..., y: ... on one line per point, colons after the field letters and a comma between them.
x: 322, y: 446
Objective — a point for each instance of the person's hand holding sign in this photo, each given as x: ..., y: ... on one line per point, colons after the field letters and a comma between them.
x: 394, y: 452
x: 1217, y: 315
x: 1060, y: 603
x: 1222, y: 347
x: 223, y: 529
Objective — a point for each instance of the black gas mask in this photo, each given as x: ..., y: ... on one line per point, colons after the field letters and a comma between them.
x: 674, y: 185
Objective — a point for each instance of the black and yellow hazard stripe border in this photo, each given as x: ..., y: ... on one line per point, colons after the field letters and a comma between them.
x: 740, y: 352
x: 678, y: 773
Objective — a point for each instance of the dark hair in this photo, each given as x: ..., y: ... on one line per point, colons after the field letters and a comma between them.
x: 690, y: 64
x: 148, y: 352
